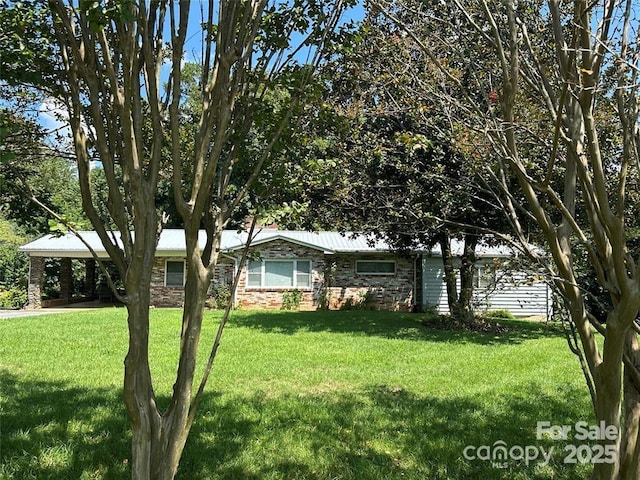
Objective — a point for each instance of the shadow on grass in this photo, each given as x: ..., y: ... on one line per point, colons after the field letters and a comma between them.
x: 406, y: 326
x: 380, y: 433
x: 53, y: 431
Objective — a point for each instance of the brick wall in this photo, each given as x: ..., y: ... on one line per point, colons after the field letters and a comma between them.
x: 272, y: 297
x: 343, y: 285
x: 162, y: 296
x: 384, y: 292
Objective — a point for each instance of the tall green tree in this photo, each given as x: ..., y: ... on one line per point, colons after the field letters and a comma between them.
x: 120, y: 70
x: 30, y: 169
x: 384, y: 161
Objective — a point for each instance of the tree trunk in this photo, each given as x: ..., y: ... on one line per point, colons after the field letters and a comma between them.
x: 138, y: 389
x: 608, y: 382
x: 467, y: 274
x: 449, y: 273
x: 159, y: 440
x: 630, y: 448
x: 608, y: 392
x: 177, y: 421
x: 460, y: 305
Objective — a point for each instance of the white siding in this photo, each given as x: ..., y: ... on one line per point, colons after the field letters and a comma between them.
x: 523, y: 294
x: 434, y: 289
x: 514, y: 291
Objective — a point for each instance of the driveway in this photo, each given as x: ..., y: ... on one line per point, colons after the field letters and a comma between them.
x: 4, y: 314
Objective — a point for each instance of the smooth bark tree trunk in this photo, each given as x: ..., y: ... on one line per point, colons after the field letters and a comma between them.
x: 630, y: 441
x: 138, y: 389
x: 159, y: 439
x: 177, y: 423
x: 608, y: 382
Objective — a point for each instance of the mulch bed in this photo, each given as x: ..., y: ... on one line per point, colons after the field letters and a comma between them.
x: 480, y: 324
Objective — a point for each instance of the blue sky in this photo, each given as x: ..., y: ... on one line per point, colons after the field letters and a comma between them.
x: 49, y: 113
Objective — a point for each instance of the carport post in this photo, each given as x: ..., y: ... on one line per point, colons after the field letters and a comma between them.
x: 36, y: 281
x: 66, y: 278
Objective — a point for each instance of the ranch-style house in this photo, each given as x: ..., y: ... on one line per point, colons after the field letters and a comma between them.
x: 330, y: 269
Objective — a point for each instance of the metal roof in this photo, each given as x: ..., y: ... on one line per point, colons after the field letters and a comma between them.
x: 172, y: 242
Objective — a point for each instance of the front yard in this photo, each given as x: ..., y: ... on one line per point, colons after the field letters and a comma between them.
x: 294, y: 395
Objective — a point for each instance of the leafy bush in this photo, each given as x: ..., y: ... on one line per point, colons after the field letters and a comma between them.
x: 499, y: 314
x: 14, y: 265
x: 219, y: 296
x: 13, y: 298
x: 291, y: 299
x: 324, y: 302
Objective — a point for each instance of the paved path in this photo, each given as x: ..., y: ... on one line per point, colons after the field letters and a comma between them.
x: 4, y: 314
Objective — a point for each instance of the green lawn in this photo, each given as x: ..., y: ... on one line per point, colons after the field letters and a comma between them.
x: 308, y: 395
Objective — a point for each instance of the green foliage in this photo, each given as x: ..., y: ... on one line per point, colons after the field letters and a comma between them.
x: 291, y: 299
x: 7, y: 129
x: 380, y: 156
x: 13, y: 298
x: 26, y: 43
x: 499, y: 314
x: 29, y: 167
x: 100, y: 13
x: 57, y: 229
x: 14, y: 265
x: 219, y: 296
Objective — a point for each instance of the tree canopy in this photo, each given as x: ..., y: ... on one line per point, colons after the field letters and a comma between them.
x: 549, y: 90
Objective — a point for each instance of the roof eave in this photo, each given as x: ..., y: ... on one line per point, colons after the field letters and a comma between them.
x: 285, y: 238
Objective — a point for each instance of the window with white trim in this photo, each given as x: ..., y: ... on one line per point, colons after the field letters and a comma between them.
x: 375, y: 267
x: 283, y: 273
x: 174, y: 273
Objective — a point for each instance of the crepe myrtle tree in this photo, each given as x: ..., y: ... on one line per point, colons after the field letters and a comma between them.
x: 120, y: 78
x: 547, y: 91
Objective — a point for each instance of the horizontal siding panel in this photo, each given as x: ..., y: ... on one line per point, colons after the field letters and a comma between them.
x: 513, y: 291
x: 434, y: 287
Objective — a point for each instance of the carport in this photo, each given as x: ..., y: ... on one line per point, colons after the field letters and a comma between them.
x: 66, y: 249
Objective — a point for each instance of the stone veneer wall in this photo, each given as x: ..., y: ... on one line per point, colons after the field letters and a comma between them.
x: 343, y: 285
x: 385, y: 292
x: 66, y: 279
x: 272, y: 297
x: 36, y: 282
x: 162, y: 296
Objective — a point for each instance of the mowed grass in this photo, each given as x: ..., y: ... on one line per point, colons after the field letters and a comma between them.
x: 293, y: 395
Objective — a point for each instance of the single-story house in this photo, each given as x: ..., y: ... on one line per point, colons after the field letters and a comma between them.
x: 331, y: 269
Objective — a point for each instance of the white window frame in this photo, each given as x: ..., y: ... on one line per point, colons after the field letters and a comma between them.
x: 166, y: 271
x: 295, y: 261
x: 381, y: 274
